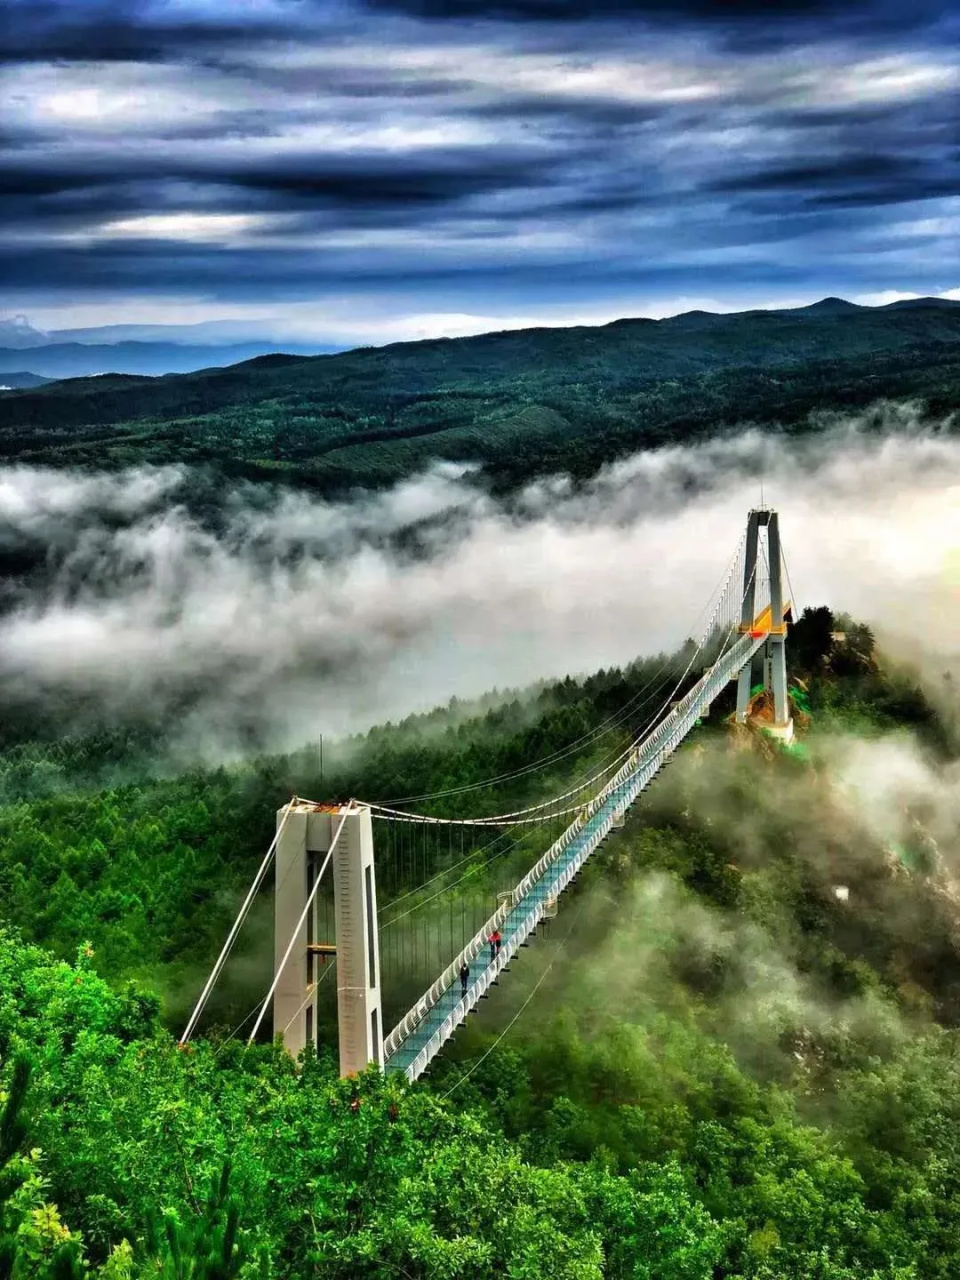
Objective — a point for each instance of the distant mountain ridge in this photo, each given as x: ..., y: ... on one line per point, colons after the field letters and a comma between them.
x: 154, y: 350
x: 146, y: 359
x: 148, y: 350
x: 17, y: 332
x: 519, y: 402
x: 19, y: 380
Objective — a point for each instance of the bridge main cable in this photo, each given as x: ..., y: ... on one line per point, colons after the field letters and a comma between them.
x: 729, y: 575
x: 525, y: 815
x: 421, y: 1033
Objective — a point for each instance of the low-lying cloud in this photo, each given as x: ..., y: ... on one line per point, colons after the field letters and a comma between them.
x: 795, y: 845
x: 294, y: 616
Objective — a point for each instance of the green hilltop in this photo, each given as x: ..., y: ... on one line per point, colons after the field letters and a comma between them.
x: 521, y: 403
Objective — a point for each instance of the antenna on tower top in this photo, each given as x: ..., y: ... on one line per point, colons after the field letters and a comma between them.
x: 761, y: 492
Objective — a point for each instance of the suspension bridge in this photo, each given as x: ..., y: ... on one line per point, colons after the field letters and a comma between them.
x: 436, y: 869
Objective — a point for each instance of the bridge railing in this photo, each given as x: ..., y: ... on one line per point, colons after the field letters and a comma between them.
x: 636, y: 772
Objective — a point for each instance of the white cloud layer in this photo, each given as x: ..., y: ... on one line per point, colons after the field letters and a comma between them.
x: 307, y: 616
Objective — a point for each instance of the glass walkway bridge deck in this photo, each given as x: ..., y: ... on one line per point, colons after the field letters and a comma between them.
x: 420, y: 1035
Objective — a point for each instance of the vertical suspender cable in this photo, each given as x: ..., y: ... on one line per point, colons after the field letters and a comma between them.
x: 463, y: 897
x: 404, y: 851
x: 420, y: 876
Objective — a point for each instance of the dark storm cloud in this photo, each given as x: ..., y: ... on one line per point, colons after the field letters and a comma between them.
x: 762, y: 15
x: 384, y: 182
x: 573, y: 10
x: 16, y: 180
x: 311, y: 192
x: 851, y: 180
x: 127, y: 30
x: 295, y: 275
x: 280, y: 148
x: 285, y: 273
x: 402, y: 190
x: 599, y: 114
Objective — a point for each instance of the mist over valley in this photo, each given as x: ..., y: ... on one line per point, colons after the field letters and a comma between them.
x: 479, y: 680
x: 274, y: 613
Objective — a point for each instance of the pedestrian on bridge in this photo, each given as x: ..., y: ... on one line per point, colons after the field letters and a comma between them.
x: 495, y: 941
x: 464, y: 978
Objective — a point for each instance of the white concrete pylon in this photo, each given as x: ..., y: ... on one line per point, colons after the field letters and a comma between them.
x: 307, y: 836
x: 770, y: 666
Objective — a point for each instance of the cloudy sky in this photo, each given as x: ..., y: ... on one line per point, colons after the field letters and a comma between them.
x: 347, y: 171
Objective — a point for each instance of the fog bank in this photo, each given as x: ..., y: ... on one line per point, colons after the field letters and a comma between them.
x: 298, y: 616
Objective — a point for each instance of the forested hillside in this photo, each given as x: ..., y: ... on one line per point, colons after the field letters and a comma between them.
x: 521, y: 403
x: 723, y: 1068
x: 734, y: 1052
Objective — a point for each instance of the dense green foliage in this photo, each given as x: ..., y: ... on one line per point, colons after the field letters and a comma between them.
x: 72, y: 866
x: 728, y: 1072
x: 712, y: 1066
x: 343, y: 1179
x: 523, y: 403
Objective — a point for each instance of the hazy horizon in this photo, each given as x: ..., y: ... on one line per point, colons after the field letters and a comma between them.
x: 19, y: 332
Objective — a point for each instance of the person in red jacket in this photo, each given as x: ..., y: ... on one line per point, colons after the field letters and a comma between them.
x: 495, y: 941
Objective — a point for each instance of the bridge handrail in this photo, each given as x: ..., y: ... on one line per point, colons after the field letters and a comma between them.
x: 708, y: 688
x: 687, y: 709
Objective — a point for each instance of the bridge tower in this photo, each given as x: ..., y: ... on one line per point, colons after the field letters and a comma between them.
x: 308, y: 837
x: 769, y: 666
